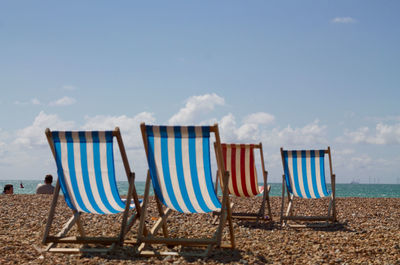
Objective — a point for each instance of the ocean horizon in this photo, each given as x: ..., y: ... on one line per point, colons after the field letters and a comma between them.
x: 342, y: 189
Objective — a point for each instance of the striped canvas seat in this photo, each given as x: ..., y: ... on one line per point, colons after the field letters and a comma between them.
x: 85, y: 167
x: 180, y: 169
x: 86, y: 176
x: 304, y: 178
x: 180, y: 172
x: 239, y: 162
x: 305, y: 173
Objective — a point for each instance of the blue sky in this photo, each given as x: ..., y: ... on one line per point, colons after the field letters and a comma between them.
x: 297, y: 74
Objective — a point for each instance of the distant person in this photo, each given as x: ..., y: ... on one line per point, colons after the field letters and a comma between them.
x: 21, y: 185
x: 46, y: 188
x: 8, y: 189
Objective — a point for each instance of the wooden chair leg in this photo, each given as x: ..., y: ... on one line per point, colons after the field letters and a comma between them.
x: 283, y: 198
x: 230, y: 223
x: 269, y: 205
x: 52, y: 211
x: 161, y: 214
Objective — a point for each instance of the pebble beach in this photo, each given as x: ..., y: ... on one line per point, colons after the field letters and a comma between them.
x: 368, y: 232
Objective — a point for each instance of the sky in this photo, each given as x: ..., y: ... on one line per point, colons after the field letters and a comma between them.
x: 292, y: 74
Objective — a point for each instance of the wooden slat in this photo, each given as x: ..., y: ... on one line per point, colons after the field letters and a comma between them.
x: 179, y: 241
x: 311, y: 225
x: 150, y: 253
x: 82, y: 240
x: 79, y: 250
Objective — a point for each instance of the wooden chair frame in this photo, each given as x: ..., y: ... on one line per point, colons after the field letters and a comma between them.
x: 261, y: 213
x: 151, y: 237
x: 126, y: 224
x: 329, y: 219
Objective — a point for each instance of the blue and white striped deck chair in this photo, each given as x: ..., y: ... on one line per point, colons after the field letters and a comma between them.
x: 304, y: 177
x: 86, y: 176
x: 180, y: 171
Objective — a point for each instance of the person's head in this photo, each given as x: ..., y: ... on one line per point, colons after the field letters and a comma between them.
x: 48, y: 179
x: 8, y: 189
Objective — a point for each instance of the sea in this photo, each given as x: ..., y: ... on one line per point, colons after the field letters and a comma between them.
x: 342, y: 190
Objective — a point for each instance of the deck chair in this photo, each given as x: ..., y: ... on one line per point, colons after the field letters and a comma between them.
x: 86, y: 176
x: 304, y: 177
x: 240, y: 163
x: 180, y: 173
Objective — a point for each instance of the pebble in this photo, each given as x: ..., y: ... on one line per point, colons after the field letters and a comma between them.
x: 367, y: 233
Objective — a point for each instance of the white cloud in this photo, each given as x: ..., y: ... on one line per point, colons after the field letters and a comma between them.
x: 311, y: 136
x: 3, y: 136
x: 64, y: 101
x: 384, y: 134
x: 196, y: 107
x: 34, y: 134
x: 33, y: 101
x: 259, y: 118
x: 129, y: 126
x: 343, y: 20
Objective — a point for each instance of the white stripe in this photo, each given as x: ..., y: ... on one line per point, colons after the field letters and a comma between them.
x: 300, y: 174
x: 91, y: 172
x: 66, y: 171
x: 291, y: 179
x: 78, y: 172
x: 201, y: 170
x: 172, y: 169
x: 104, y: 172
x: 238, y: 172
x: 186, y: 170
x: 248, y: 167
x: 229, y: 168
x: 158, y: 161
x: 318, y: 174
x: 309, y: 174
x: 256, y: 177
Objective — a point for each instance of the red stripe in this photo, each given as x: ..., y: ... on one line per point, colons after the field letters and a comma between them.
x: 253, y: 181
x: 233, y: 170
x: 243, y: 169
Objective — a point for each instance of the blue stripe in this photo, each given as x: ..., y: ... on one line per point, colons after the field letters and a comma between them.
x: 165, y: 168
x: 60, y: 172
x: 313, y: 175
x: 179, y: 169
x: 152, y: 163
x: 111, y: 169
x: 304, y: 171
x: 295, y: 174
x: 193, y: 169
x: 322, y: 169
x: 207, y: 166
x: 97, y: 171
x: 72, y: 173
x: 287, y: 173
x: 85, y: 173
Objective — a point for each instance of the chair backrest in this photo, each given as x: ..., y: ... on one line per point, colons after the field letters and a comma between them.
x: 239, y: 162
x: 305, y: 173
x: 180, y: 167
x: 85, y: 168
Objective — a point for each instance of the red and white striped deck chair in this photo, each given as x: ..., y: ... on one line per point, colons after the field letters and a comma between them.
x: 239, y: 161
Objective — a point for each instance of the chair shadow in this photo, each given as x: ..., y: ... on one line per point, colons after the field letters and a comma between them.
x: 335, y: 227
x: 263, y: 225
x: 127, y: 253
